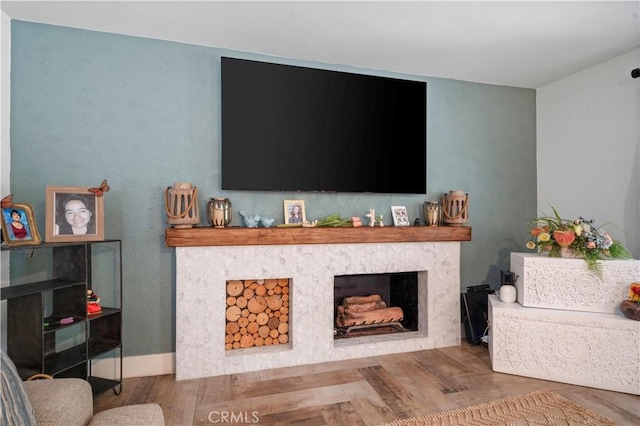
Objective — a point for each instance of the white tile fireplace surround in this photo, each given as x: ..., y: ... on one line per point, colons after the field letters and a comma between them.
x: 202, y: 273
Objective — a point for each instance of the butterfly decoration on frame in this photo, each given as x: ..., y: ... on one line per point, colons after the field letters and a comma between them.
x: 7, y: 202
x: 99, y: 192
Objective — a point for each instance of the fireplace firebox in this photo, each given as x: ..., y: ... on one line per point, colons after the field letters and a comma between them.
x: 383, y: 291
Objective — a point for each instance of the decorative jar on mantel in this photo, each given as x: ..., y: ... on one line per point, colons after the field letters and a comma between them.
x: 455, y: 208
x: 432, y: 213
x: 181, y: 205
x: 219, y: 212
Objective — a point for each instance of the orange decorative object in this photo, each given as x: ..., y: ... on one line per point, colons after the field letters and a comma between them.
x: 630, y: 308
x: 93, y: 303
x: 564, y: 238
x: 7, y: 202
x: 93, y: 308
x: 634, y: 292
x: 99, y: 192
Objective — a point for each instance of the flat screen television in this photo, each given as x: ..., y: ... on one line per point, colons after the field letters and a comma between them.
x: 291, y: 128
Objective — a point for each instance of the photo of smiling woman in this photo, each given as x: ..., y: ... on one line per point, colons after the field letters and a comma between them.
x: 74, y: 215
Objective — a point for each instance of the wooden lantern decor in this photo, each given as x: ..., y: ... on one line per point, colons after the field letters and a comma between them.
x: 455, y: 208
x: 181, y: 203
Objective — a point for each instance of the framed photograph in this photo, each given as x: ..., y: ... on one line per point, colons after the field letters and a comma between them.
x: 294, y: 212
x: 19, y: 226
x: 73, y: 214
x: 400, y: 216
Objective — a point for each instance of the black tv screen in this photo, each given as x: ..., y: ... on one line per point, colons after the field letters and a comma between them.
x: 290, y: 128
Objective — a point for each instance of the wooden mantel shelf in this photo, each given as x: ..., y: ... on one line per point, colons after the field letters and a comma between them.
x: 236, y: 236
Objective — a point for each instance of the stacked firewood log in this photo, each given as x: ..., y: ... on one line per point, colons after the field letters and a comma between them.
x: 366, y: 310
x: 257, y: 313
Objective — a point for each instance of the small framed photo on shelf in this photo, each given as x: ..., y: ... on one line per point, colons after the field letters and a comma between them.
x: 19, y: 226
x: 400, y: 216
x: 74, y: 213
x: 294, y: 212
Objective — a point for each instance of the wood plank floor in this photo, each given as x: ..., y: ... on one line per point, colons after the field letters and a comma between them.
x: 366, y: 391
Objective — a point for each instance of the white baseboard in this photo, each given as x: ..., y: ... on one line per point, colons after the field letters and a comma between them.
x: 136, y: 366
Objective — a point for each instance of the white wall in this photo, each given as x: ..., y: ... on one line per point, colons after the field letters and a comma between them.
x: 588, y: 147
x: 5, y: 100
x: 5, y: 61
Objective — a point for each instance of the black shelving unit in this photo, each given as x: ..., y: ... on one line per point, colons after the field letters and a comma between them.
x: 36, y: 340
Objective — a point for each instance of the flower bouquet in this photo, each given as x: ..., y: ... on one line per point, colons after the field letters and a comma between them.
x: 580, y: 237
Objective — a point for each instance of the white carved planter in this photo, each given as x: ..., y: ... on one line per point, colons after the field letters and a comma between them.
x: 586, y: 349
x: 562, y: 283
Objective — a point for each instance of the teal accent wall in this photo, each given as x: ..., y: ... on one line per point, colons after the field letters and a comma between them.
x: 144, y: 113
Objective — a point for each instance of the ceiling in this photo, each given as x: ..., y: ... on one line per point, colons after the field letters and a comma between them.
x: 511, y: 43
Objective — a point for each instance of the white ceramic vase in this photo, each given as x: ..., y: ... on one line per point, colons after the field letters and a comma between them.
x: 508, y: 293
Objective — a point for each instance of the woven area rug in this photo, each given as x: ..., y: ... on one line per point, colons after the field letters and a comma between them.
x: 537, y: 408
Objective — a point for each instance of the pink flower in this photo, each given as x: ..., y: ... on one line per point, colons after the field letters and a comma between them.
x: 591, y: 244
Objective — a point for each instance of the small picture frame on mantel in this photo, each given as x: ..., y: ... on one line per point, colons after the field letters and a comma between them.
x: 73, y: 213
x: 294, y: 212
x: 400, y: 216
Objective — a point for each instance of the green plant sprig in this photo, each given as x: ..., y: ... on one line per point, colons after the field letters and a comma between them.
x: 334, y: 220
